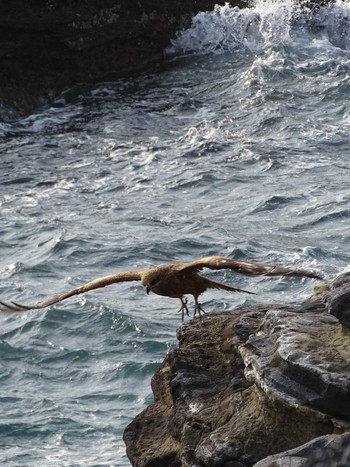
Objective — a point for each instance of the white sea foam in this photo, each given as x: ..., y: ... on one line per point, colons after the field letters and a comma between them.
x: 268, y: 23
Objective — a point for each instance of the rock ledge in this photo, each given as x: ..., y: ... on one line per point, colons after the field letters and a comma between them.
x: 264, y: 381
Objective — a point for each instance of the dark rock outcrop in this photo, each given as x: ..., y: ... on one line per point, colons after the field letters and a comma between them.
x: 244, y: 385
x: 338, y: 299
x: 46, y: 45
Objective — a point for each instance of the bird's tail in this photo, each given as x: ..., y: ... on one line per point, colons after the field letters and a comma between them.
x: 217, y: 285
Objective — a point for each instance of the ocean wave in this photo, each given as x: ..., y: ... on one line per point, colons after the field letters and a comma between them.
x: 264, y: 25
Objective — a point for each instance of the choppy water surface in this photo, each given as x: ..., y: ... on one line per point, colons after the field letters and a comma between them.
x: 240, y: 148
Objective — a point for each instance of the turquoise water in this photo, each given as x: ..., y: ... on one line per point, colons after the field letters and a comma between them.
x: 240, y: 147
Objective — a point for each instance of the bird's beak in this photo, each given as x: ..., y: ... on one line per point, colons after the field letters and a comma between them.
x: 148, y: 289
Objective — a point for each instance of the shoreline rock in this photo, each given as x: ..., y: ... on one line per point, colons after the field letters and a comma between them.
x: 245, y: 385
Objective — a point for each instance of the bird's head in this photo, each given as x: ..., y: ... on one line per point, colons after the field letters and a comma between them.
x: 151, y: 280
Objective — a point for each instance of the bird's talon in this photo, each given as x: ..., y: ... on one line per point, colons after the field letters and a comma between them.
x: 198, y: 308
x: 183, y: 308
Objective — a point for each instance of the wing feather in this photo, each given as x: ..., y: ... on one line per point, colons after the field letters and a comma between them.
x: 95, y: 284
x: 245, y: 267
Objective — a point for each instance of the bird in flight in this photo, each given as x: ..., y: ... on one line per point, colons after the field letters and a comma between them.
x: 174, y: 280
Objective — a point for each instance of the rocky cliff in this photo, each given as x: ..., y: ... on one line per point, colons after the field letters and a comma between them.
x: 242, y: 386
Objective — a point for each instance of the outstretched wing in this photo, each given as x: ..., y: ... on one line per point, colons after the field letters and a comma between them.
x: 95, y: 284
x: 244, y: 267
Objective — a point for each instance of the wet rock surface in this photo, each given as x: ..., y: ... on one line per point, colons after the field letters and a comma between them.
x: 245, y: 385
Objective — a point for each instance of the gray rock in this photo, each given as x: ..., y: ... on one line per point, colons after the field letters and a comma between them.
x: 301, y: 360
x: 338, y: 299
x: 325, y: 451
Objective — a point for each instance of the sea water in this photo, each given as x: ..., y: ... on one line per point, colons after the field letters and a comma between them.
x: 240, y: 147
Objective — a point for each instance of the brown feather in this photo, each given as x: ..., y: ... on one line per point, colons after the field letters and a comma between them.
x: 244, y: 267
